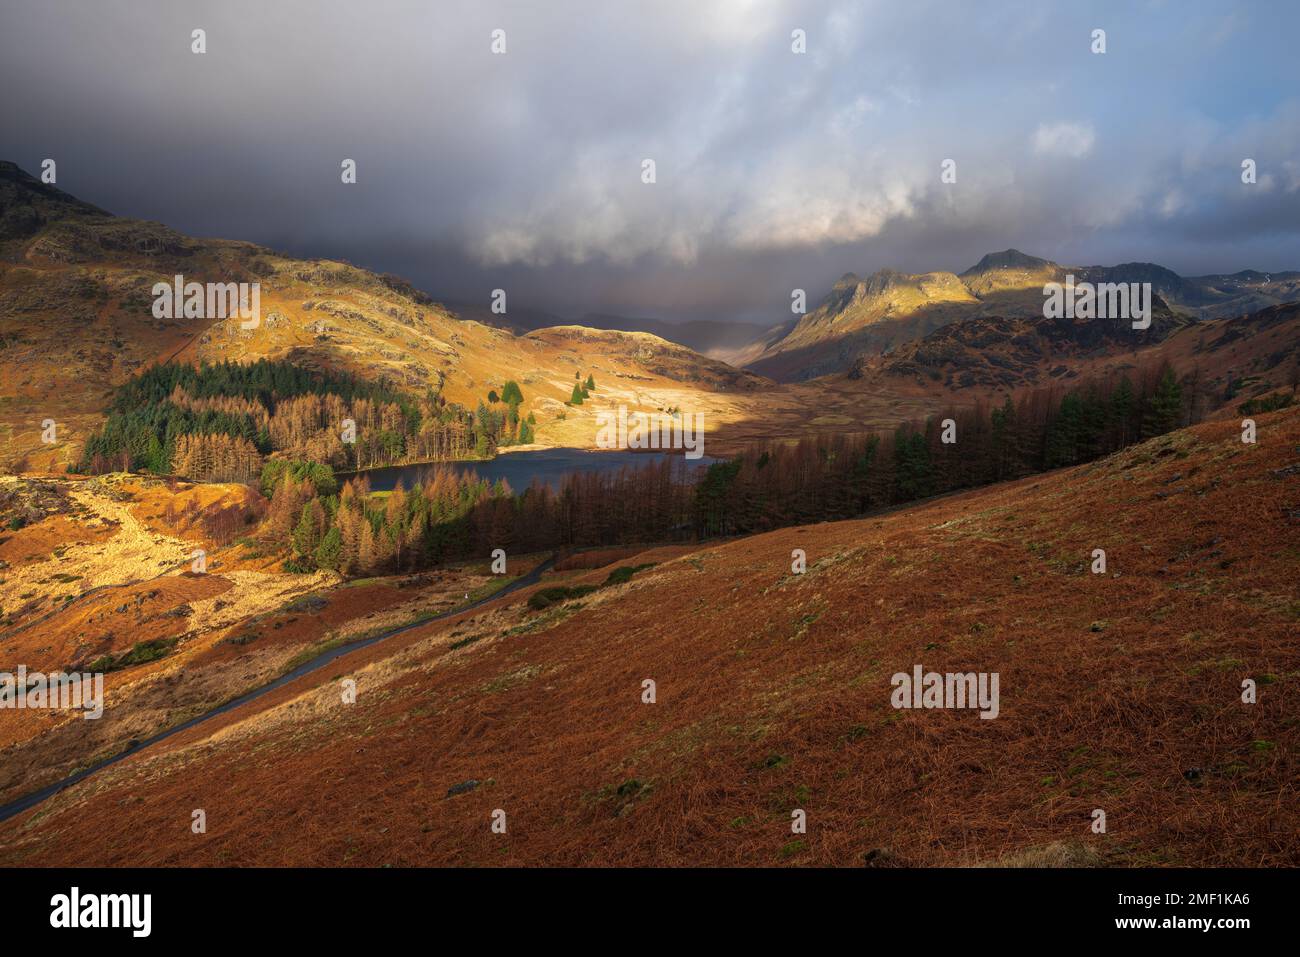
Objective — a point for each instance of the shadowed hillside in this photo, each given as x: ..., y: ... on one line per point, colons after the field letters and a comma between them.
x: 1229, y: 359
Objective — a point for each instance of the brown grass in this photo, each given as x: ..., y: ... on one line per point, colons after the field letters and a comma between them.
x: 1119, y: 692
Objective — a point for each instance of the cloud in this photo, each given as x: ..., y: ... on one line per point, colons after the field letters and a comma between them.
x: 1066, y: 140
x: 775, y: 169
x: 845, y: 121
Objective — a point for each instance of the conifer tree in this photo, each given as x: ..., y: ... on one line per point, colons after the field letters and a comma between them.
x: 1165, y: 408
x: 330, y: 550
x: 511, y: 393
x: 1121, y: 410
x: 307, y: 533
x: 366, y: 555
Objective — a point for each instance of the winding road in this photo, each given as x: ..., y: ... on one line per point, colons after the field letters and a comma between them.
x: 36, y: 797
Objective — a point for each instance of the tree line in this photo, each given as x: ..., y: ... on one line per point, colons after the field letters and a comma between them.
x: 449, y: 516
x: 218, y: 422
x: 840, y: 476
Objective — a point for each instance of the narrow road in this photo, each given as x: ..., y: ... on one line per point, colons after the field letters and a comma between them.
x: 31, y: 800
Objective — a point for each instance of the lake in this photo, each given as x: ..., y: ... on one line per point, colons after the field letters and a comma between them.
x: 548, y: 466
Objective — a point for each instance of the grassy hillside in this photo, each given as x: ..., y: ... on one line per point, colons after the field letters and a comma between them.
x: 1119, y: 691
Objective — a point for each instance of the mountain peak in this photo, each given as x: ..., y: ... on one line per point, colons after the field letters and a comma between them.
x: 1008, y: 259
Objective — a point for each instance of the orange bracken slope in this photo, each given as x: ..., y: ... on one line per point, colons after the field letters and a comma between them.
x: 1120, y: 692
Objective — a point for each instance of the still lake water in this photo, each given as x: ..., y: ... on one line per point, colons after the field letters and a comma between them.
x: 548, y: 466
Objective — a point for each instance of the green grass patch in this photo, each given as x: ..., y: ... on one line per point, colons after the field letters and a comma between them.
x: 545, y: 597
x: 141, y: 653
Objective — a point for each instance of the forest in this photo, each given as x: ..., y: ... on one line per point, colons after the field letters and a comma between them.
x: 218, y: 423
x: 448, y: 517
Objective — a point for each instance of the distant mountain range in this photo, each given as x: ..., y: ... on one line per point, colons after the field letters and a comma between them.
x: 878, y: 314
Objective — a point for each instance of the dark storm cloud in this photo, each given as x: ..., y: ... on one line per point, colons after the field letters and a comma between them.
x: 774, y: 170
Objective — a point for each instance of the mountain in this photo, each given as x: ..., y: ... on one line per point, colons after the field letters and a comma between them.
x: 863, y: 319
x: 742, y: 357
x: 77, y: 319
x: 1009, y: 270
x: 1244, y: 291
x: 773, y: 694
x: 875, y: 315
x: 871, y: 314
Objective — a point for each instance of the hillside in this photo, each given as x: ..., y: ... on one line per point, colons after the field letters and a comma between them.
x: 715, y: 338
x: 1119, y: 691
x: 97, y: 573
x: 1231, y: 359
x: 76, y: 319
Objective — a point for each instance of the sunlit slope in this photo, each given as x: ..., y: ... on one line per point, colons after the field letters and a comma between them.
x: 77, y: 319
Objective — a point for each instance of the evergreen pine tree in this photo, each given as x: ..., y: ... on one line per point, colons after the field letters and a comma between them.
x: 912, y: 472
x: 155, y: 459
x: 1165, y: 409
x: 1121, y: 411
x: 1063, y: 433
x: 330, y: 550
x: 306, y: 535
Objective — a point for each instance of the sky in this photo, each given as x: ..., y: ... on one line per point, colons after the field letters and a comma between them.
x: 774, y: 170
